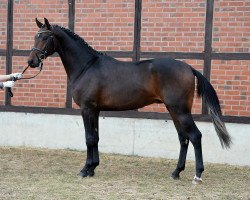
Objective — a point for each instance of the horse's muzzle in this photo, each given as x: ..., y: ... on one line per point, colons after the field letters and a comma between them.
x: 32, y: 64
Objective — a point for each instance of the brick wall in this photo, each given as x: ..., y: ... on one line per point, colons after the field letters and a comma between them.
x: 3, y: 31
x: 173, y: 25
x: 2, y: 71
x: 108, y: 25
x: 49, y: 88
x: 231, y: 80
x: 231, y: 33
x: 3, y: 24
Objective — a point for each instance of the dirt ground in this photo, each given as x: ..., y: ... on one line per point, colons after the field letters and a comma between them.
x: 52, y: 174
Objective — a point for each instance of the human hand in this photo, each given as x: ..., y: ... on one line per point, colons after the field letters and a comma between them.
x: 8, y: 84
x: 16, y: 76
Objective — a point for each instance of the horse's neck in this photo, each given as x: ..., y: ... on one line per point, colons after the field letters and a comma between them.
x: 74, y: 56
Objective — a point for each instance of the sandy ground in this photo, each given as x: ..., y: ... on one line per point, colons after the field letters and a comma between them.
x: 52, y: 174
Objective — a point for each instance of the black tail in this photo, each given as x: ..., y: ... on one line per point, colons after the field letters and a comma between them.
x: 206, y: 90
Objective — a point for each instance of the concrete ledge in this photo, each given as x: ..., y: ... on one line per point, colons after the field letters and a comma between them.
x: 143, y: 137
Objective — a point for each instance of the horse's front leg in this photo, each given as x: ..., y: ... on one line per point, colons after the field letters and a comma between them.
x: 90, y: 119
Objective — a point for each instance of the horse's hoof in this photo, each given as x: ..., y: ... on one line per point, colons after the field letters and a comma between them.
x: 91, y: 173
x: 197, y: 180
x: 175, y: 177
x: 83, y: 174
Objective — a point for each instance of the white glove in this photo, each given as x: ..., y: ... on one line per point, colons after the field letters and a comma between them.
x: 16, y: 75
x: 8, y: 84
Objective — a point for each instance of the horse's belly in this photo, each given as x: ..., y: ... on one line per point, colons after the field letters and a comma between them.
x: 127, y: 101
x: 121, y: 107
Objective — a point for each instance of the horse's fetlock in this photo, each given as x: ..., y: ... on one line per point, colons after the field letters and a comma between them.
x: 199, y: 171
x: 180, y: 168
x: 96, y: 163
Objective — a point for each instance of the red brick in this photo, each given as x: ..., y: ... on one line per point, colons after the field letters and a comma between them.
x: 166, y: 26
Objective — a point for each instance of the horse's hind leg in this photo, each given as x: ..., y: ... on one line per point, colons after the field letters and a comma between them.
x: 184, y: 141
x: 187, y: 125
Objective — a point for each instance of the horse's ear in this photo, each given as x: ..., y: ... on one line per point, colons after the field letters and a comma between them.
x: 47, y: 24
x: 38, y: 23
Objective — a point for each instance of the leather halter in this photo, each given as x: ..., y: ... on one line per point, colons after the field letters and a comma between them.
x: 44, y: 52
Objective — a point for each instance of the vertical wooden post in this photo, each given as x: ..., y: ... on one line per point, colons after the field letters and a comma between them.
x: 9, y: 46
x: 137, y: 30
x: 208, y: 45
x: 71, y: 24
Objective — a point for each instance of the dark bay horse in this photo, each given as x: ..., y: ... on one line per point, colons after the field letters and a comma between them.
x: 99, y: 83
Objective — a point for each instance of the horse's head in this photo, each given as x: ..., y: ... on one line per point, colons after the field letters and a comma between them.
x: 44, y: 44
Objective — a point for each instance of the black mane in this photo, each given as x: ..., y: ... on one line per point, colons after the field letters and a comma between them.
x: 78, y: 39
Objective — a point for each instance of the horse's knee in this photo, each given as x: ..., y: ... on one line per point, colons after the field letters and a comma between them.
x: 92, y: 141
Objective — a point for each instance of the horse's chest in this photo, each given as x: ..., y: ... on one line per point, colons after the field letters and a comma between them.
x: 83, y: 95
